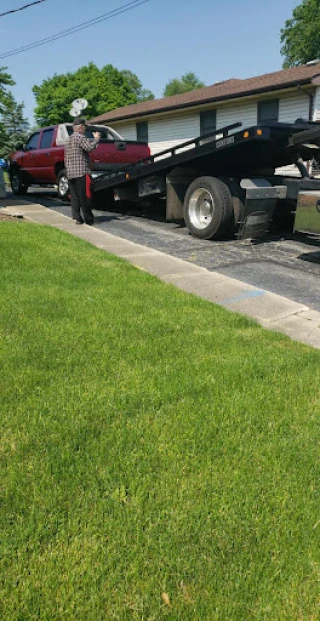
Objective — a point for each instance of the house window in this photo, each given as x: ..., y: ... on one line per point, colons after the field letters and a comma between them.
x: 268, y: 111
x: 142, y: 132
x: 208, y: 122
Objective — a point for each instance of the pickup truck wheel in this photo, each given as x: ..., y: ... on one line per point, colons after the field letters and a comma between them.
x: 16, y: 184
x: 208, y: 208
x: 63, y: 185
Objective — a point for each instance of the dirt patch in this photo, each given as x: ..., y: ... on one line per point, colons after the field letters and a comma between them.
x: 6, y: 216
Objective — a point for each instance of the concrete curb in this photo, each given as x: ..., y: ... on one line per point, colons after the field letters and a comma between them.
x: 268, y: 309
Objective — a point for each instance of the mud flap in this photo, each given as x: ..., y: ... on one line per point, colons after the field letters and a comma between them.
x: 260, y: 203
x: 88, y: 187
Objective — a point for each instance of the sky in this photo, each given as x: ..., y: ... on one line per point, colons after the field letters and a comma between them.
x: 158, y: 40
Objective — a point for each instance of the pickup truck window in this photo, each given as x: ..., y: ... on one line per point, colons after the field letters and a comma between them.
x: 46, y: 139
x: 106, y: 134
x: 33, y: 142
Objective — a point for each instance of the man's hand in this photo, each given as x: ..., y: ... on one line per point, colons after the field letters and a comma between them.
x: 96, y: 135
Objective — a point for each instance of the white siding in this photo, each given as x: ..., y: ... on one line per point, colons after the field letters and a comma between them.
x: 245, y: 114
x: 290, y: 109
x: 127, y: 131
x: 316, y: 114
x: 167, y: 133
x: 164, y: 133
x: 293, y: 108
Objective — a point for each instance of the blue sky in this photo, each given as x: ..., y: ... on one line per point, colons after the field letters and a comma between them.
x: 159, y: 40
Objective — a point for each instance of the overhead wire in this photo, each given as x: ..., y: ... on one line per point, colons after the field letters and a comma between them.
x: 26, y: 6
x: 65, y: 33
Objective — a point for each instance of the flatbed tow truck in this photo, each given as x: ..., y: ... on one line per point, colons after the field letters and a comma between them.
x: 224, y: 184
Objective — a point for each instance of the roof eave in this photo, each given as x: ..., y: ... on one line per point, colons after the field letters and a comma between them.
x: 238, y: 95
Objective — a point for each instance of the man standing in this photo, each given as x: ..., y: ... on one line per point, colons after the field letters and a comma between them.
x: 78, y: 170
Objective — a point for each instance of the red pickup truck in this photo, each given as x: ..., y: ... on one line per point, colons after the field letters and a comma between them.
x: 41, y: 161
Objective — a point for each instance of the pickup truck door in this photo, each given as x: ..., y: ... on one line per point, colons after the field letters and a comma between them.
x: 29, y: 163
x: 45, y: 157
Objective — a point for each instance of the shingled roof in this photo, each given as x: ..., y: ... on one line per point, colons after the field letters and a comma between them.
x: 229, y: 89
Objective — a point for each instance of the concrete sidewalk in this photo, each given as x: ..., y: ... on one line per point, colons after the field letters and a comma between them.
x: 268, y: 309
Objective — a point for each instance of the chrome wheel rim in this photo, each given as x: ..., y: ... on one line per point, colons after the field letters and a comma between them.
x: 201, y: 208
x: 63, y: 186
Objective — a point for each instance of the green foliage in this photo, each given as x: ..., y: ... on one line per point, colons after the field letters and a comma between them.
x: 135, y: 84
x: 301, y: 35
x: 105, y: 89
x: 5, y: 80
x: 159, y: 455
x: 14, y: 127
x: 187, y: 82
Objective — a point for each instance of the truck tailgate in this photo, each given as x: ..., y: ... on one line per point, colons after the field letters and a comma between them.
x: 118, y: 152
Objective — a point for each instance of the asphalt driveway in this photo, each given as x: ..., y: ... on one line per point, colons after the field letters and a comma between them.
x: 282, y: 263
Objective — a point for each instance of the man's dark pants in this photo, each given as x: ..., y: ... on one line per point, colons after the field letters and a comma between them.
x: 79, y: 199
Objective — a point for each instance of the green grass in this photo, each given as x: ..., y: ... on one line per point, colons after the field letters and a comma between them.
x: 151, y: 443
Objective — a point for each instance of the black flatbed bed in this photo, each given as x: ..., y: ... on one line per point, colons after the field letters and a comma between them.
x: 243, y: 152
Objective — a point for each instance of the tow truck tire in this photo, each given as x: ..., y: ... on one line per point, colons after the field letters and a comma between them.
x: 63, y: 185
x: 18, y: 188
x: 208, y: 208
x: 238, y: 201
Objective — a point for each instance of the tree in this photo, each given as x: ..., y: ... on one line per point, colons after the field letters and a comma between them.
x: 5, y: 80
x: 14, y: 127
x: 187, y: 82
x: 142, y: 94
x: 104, y: 89
x: 301, y: 35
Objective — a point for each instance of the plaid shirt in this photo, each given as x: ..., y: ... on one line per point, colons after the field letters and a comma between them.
x: 76, y: 155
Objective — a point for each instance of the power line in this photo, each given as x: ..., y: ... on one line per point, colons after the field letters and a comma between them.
x: 26, y: 6
x: 65, y: 33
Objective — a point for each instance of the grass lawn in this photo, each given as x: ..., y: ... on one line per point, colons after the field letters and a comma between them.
x: 160, y: 456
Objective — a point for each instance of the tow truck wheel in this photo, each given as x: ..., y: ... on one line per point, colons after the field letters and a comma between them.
x: 208, y: 208
x: 16, y: 184
x: 62, y: 185
x: 238, y: 202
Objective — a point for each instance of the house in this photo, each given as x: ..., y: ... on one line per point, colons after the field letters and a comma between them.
x: 282, y: 96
